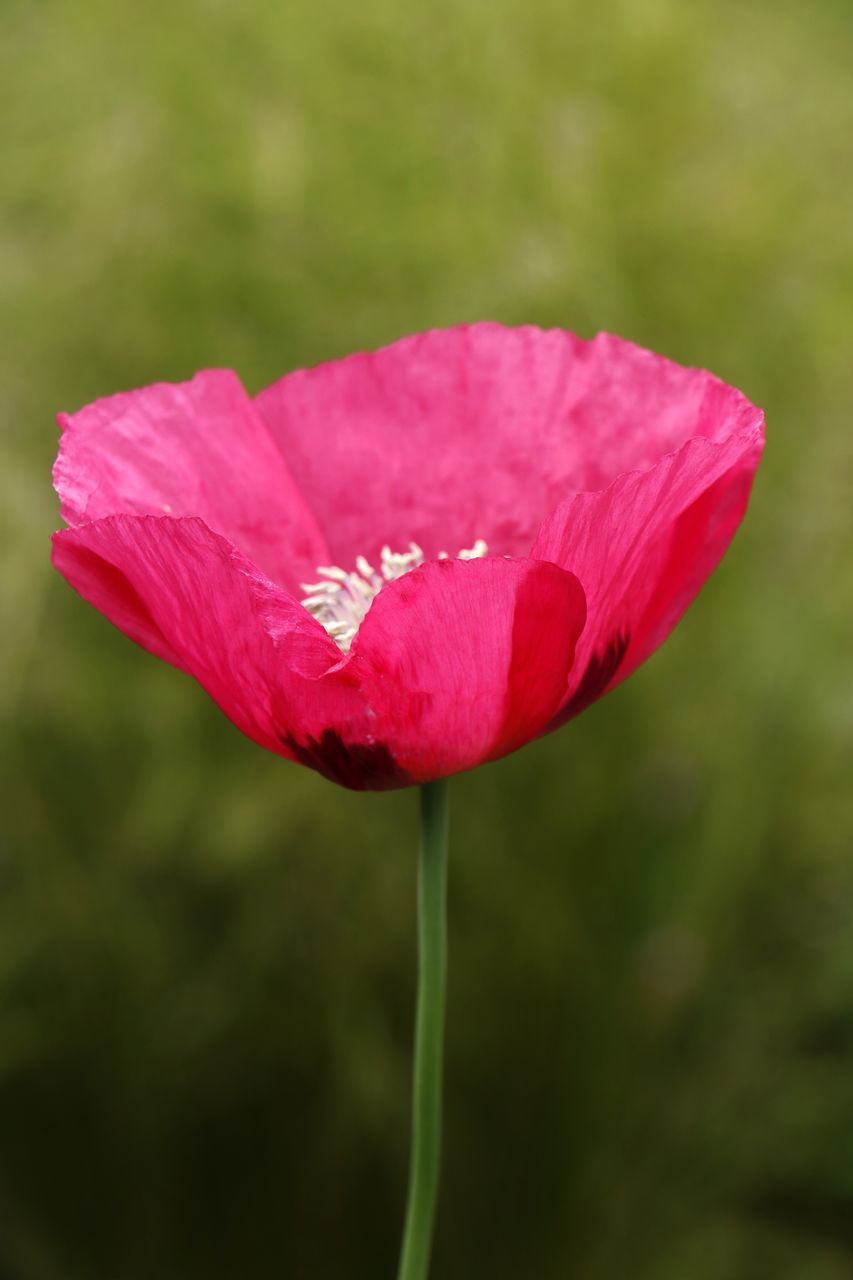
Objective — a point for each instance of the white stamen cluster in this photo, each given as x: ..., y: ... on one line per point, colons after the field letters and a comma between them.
x: 340, y: 600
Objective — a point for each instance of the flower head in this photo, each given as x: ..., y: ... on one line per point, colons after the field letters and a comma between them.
x: 593, y: 487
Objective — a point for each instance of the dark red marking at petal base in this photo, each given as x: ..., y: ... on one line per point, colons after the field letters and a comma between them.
x: 601, y: 670
x: 596, y: 679
x: 358, y: 765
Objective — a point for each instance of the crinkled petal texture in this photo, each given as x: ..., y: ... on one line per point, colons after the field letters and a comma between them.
x: 463, y: 661
x: 451, y: 667
x: 197, y: 448
x: 642, y: 548
x: 606, y: 480
x: 481, y: 431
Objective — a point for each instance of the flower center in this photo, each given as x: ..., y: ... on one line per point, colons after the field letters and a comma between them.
x: 340, y: 600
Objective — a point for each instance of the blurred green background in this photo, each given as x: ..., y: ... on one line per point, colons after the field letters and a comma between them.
x: 207, y: 955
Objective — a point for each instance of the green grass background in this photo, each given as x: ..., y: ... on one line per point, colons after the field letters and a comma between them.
x: 207, y: 955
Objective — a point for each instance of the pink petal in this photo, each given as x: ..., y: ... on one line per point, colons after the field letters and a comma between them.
x: 197, y: 448
x: 463, y: 661
x: 456, y: 663
x: 642, y: 549
x: 634, y: 471
x: 189, y: 596
x: 480, y: 431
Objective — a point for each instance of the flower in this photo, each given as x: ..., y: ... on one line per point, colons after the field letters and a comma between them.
x: 593, y: 486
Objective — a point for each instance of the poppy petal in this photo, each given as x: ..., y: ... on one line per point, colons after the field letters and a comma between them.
x: 456, y: 663
x: 626, y: 474
x: 479, y: 432
x: 189, y: 596
x: 643, y: 547
x: 462, y: 661
x: 196, y: 448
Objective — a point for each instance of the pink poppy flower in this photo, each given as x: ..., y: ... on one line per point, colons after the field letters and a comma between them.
x: 299, y: 553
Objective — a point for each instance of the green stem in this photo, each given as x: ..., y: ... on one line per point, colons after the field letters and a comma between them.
x: 429, y: 1033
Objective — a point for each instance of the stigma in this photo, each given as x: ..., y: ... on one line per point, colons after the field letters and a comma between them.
x: 340, y: 600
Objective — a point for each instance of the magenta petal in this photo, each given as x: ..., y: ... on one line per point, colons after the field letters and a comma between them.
x: 642, y: 549
x: 192, y: 598
x: 626, y: 474
x: 457, y: 663
x: 460, y: 661
x: 479, y: 432
x: 197, y: 448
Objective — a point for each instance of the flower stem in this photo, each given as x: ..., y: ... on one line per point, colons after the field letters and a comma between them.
x: 429, y: 1033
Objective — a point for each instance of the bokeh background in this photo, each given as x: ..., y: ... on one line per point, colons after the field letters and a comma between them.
x: 207, y: 955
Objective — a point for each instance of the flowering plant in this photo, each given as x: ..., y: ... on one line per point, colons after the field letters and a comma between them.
x: 403, y: 564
